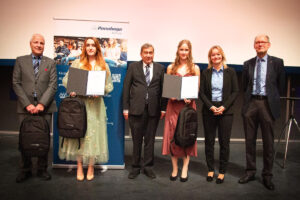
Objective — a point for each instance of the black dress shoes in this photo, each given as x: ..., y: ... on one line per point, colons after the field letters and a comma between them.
x: 184, y: 179
x: 174, y: 178
x: 209, y: 178
x: 246, y: 178
x: 219, y: 181
x: 149, y: 173
x: 133, y: 174
x: 268, y: 184
x: 44, y: 175
x: 23, y: 176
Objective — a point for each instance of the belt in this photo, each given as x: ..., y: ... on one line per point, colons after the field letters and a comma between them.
x: 259, y: 97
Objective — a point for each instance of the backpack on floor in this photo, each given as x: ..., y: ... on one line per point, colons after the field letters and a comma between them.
x: 72, y: 119
x: 186, y: 129
x: 34, y: 137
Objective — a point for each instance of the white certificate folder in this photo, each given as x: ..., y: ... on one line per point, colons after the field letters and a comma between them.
x: 180, y: 87
x: 85, y: 82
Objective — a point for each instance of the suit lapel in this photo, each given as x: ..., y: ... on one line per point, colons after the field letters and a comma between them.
x: 141, y: 72
x: 29, y: 66
x: 225, y: 80
x: 251, y: 69
x: 269, y: 68
x: 42, y: 67
x: 209, y: 77
x: 155, y: 71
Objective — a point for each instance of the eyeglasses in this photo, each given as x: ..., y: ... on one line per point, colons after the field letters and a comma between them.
x: 261, y: 42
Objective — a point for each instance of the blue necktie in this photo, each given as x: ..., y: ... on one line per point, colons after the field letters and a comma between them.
x: 258, y: 76
x: 36, y: 65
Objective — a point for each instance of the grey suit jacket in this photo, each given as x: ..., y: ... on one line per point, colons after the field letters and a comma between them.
x: 275, y: 83
x: 230, y: 90
x: 24, y: 83
x: 135, y: 89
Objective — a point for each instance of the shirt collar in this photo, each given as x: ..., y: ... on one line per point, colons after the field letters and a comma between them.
x: 263, y: 59
x: 150, y: 65
x: 221, y: 69
x: 38, y: 57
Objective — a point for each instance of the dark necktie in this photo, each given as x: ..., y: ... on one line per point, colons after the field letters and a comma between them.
x: 258, y: 76
x: 36, y: 65
x: 147, y: 75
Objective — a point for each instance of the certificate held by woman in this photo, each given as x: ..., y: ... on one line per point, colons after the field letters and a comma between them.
x: 85, y: 82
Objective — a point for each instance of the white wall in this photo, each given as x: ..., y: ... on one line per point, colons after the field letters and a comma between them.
x: 229, y: 23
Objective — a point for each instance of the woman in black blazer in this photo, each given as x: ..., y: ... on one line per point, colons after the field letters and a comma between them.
x: 218, y: 90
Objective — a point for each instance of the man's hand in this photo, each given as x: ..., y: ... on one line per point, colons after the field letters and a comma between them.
x: 30, y: 108
x: 39, y: 108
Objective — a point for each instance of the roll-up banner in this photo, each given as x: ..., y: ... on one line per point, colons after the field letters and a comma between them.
x: 69, y: 36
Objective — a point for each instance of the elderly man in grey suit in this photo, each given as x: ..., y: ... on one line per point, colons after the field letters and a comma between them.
x: 34, y: 82
x: 263, y: 82
x: 143, y: 105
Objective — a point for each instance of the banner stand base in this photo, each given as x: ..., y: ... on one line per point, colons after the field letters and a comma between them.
x: 74, y: 166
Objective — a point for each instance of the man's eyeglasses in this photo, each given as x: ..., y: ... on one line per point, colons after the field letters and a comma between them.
x: 261, y: 42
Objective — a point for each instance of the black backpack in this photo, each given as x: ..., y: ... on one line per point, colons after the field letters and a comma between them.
x: 34, y: 137
x: 186, y: 129
x: 71, y: 119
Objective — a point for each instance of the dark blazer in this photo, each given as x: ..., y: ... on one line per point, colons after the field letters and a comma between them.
x: 24, y: 83
x: 230, y: 90
x: 135, y: 88
x: 275, y: 83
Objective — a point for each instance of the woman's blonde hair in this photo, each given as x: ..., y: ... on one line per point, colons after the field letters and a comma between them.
x: 190, y: 63
x: 221, y: 52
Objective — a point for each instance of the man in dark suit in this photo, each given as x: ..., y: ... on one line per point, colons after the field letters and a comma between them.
x: 142, y: 104
x: 263, y: 81
x: 34, y: 82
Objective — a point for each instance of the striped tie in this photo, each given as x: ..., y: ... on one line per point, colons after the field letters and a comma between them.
x: 258, y: 76
x: 147, y: 75
x: 36, y: 65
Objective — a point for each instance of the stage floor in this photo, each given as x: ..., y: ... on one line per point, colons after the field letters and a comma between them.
x: 114, y: 184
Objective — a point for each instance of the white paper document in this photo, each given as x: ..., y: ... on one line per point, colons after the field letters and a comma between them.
x: 179, y: 87
x: 96, y: 83
x: 190, y: 87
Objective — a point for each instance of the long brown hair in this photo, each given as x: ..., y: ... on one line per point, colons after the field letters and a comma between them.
x: 190, y: 63
x: 84, y: 58
x: 221, y: 52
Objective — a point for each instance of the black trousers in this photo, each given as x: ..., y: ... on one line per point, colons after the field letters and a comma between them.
x: 26, y: 163
x: 143, y: 128
x: 224, y: 124
x: 259, y: 114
